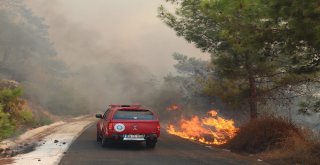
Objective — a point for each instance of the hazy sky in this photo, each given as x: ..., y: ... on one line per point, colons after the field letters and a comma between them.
x: 95, y: 32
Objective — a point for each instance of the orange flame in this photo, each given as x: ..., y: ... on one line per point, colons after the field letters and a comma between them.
x: 209, y: 130
x: 173, y: 107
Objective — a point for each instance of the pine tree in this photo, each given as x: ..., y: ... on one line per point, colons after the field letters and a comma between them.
x: 249, y: 53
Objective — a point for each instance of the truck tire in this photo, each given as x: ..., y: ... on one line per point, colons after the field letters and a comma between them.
x: 105, y: 142
x: 150, y: 144
x: 99, y: 139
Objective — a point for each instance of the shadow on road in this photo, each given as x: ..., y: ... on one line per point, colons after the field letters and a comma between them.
x: 134, y: 146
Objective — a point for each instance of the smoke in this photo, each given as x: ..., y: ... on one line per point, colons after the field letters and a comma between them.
x: 102, y: 52
x: 125, y: 31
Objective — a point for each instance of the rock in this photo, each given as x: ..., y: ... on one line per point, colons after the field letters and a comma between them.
x: 56, y: 141
x: 64, y: 143
x: 6, y: 151
x: 209, y: 146
x: 227, y: 150
x: 13, y: 153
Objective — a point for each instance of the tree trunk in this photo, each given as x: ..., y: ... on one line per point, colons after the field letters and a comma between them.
x: 253, y: 90
x: 253, y: 98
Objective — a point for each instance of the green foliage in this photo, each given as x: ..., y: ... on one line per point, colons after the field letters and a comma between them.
x: 11, y: 102
x: 233, y: 93
x: 191, y: 76
x: 44, y: 120
x: 189, y: 22
x: 252, y: 54
x: 25, y: 117
x: 302, y: 20
x: 15, y: 115
x: 12, y: 105
x: 10, y: 95
x: 6, y: 126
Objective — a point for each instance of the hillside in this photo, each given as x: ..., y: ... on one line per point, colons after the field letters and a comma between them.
x: 18, y: 114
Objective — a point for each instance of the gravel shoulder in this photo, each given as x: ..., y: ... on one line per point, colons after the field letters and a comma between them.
x: 44, y: 145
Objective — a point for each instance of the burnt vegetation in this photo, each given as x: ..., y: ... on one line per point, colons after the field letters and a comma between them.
x: 266, y: 133
x: 280, y: 141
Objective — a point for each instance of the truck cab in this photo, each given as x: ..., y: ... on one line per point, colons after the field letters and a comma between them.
x: 128, y: 123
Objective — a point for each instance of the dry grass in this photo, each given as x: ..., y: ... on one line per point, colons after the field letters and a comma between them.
x: 296, y: 151
x: 278, y: 141
x: 263, y: 134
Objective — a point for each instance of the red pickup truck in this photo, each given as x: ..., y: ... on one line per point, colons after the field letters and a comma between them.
x: 128, y: 123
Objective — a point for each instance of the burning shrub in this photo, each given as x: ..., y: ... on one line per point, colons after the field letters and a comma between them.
x: 263, y: 134
x: 212, y: 129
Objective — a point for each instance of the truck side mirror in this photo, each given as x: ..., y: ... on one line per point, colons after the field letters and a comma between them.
x: 99, y: 116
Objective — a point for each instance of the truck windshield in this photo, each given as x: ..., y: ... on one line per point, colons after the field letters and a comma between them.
x: 133, y: 115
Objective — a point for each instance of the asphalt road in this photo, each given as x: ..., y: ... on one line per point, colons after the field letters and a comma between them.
x: 169, y: 150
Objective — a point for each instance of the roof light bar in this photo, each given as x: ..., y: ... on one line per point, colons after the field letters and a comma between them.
x: 119, y: 105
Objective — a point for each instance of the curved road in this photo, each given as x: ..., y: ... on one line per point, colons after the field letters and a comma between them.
x: 170, y: 150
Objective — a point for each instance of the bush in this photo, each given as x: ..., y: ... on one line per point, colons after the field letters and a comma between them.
x: 7, y: 128
x: 43, y: 121
x: 263, y: 134
x: 16, y: 115
x: 312, y: 155
x: 25, y: 117
x: 278, y: 141
x: 9, y: 98
x: 297, y: 151
x: 10, y: 105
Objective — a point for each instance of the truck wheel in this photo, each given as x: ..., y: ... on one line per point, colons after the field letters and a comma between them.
x: 150, y: 144
x: 98, y: 138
